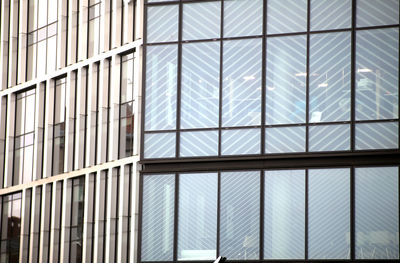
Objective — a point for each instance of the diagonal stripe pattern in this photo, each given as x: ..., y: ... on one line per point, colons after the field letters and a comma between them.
x: 292, y: 12
x: 240, y: 215
x: 329, y: 138
x: 329, y: 214
x: 286, y: 81
x: 243, y: 18
x: 376, y: 13
x: 158, y: 217
x: 201, y: 20
x: 159, y: 145
x: 330, y: 76
x: 199, y: 143
x: 162, y: 23
x: 285, y: 139
x: 243, y: 141
x: 330, y: 14
x: 379, y: 135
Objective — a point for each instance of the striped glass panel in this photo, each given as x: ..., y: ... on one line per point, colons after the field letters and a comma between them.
x: 377, y: 213
x: 284, y: 219
x: 329, y: 138
x: 285, y: 139
x: 151, y: 1
x: 377, y: 74
x: 243, y: 18
x: 201, y: 20
x: 243, y: 141
x: 286, y: 80
x: 330, y: 77
x: 158, y: 217
x: 197, y: 221
x: 241, y: 101
x: 285, y: 16
x: 199, y: 143
x: 240, y: 215
x: 379, y: 135
x: 159, y: 145
x: 376, y: 13
x: 329, y: 214
x: 162, y: 23
x: 161, y: 74
x: 200, y: 85
x: 330, y: 14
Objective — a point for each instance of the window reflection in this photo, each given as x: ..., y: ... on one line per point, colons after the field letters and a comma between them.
x: 59, y: 126
x: 76, y: 234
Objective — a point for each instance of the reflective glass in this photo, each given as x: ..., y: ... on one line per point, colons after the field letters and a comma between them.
x: 284, y: 214
x: 162, y: 23
x: 240, y: 141
x: 241, y: 101
x: 285, y: 139
x: 240, y: 215
x: 159, y: 145
x: 378, y: 135
x: 285, y: 16
x: 243, y: 18
x: 329, y: 138
x: 201, y: 20
x: 286, y: 80
x: 376, y: 13
x: 199, y: 143
x: 329, y: 214
x: 330, y: 14
x: 377, y: 213
x: 377, y: 74
x: 197, y: 221
x: 200, y: 85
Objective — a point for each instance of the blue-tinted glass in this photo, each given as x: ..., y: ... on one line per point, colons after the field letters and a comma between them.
x: 241, y: 101
x: 159, y: 145
x: 200, y: 85
x: 162, y: 23
x: 378, y: 135
x: 158, y: 217
x: 329, y: 214
x: 285, y: 16
x: 197, y: 233
x: 377, y: 213
x: 240, y: 215
x: 377, y: 66
x: 285, y: 139
x: 329, y: 138
x: 284, y: 219
x: 201, y: 20
x: 376, y: 13
x: 243, y: 141
x: 199, y: 143
x: 330, y: 14
x: 243, y: 18
x: 161, y: 74
x: 330, y: 77
x: 286, y: 80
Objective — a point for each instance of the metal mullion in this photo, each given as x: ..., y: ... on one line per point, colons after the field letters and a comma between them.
x: 306, y: 216
x: 140, y: 220
x: 96, y: 211
x: 85, y: 214
x: 221, y: 68
x: 262, y: 212
x: 176, y: 216
x: 99, y: 115
x: 352, y: 214
x: 308, y: 76
x: 353, y: 76
x: 179, y: 80
x: 53, y: 207
x: 264, y: 82
x: 218, y: 213
x: 107, y: 212
x: 23, y: 230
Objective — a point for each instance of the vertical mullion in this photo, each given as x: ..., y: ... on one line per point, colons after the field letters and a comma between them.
x: 308, y: 73
x: 176, y: 229
x: 140, y: 220
x: 218, y: 213
x: 352, y: 214
x: 262, y: 194
x: 263, y: 79
x: 306, y: 217
x: 179, y: 78
x: 353, y: 75
x: 221, y: 68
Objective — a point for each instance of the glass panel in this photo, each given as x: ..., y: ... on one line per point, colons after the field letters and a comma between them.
x: 330, y: 14
x: 161, y: 77
x: 379, y: 135
x: 201, y: 20
x: 197, y: 234
x: 200, y: 85
x: 284, y: 219
x: 162, y: 23
x: 330, y: 77
x: 28, y: 164
x: 285, y: 16
x: 29, y: 113
x: 329, y: 138
x: 77, y: 210
x: 286, y: 80
x: 159, y: 145
x: 377, y: 213
x: 243, y: 141
x: 285, y: 139
x: 240, y: 215
x: 158, y: 217
x: 377, y: 64
x: 243, y: 18
x: 127, y: 88
x: 242, y: 83
x: 199, y: 143
x: 329, y: 214
x: 376, y: 13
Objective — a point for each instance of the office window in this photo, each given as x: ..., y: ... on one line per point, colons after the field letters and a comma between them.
x: 102, y: 219
x: 243, y: 18
x: 57, y: 221
x: 376, y: 13
x: 285, y: 139
x: 82, y: 119
x: 240, y: 141
x: 93, y: 111
x: 3, y: 125
x: 46, y: 211
x: 90, y: 219
x: 377, y: 135
x: 162, y: 23
x: 37, y: 224
x: 94, y: 27
x: 59, y: 126
x: 77, y: 210
x: 114, y: 214
x: 198, y: 143
x: 27, y: 225
x: 128, y: 187
x: 330, y: 14
x: 293, y: 12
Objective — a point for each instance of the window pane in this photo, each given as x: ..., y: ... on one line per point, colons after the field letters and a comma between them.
x: 329, y: 138
x: 284, y: 220
x: 201, y: 20
x: 200, y: 85
x: 240, y: 215
x: 243, y: 141
x: 379, y: 135
x: 162, y: 23
x: 377, y: 73
x: 377, y: 213
x: 158, y: 217
x: 197, y: 234
x: 285, y: 16
x: 199, y: 143
x: 329, y: 214
x: 286, y: 80
x: 330, y: 77
x: 242, y: 83
x: 330, y: 14
x: 376, y: 13
x: 285, y: 139
x: 243, y: 18
x: 159, y: 145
